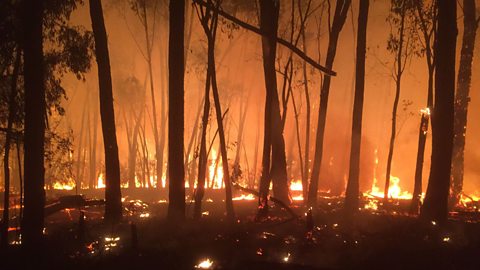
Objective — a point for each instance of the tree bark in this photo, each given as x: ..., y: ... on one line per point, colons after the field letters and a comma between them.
x: 462, y: 98
x: 435, y: 206
x: 113, y: 196
x: 339, y: 18
x: 352, y: 192
x: 34, y: 140
x: 176, y: 113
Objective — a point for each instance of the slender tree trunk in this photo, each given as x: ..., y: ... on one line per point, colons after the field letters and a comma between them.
x: 79, y: 168
x: 113, y: 196
x: 425, y: 117
x: 12, y: 111
x: 470, y: 25
x: 34, y: 138
x: 176, y: 113
x: 398, y: 87
x: 93, y: 152
x: 352, y: 193
x: 435, y: 206
x: 339, y: 18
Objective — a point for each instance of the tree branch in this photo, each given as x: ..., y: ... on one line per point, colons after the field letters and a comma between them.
x: 281, y: 41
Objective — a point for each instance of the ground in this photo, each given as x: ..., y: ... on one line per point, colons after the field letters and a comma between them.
x: 374, y: 240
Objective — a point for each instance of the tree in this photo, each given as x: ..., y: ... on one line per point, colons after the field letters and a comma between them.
x: 34, y: 136
x: 176, y: 113
x: 352, y: 193
x: 12, y: 111
x: 339, y: 18
x: 462, y: 98
x: 274, y: 169
x: 435, y: 206
x: 427, y: 20
x: 113, y: 196
x: 399, y: 46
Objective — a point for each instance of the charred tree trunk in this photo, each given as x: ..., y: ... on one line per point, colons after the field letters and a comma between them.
x: 274, y: 142
x: 470, y: 25
x: 339, y: 18
x: 12, y: 111
x: 113, y: 196
x: 435, y: 206
x: 176, y: 113
x: 34, y: 141
x: 352, y: 192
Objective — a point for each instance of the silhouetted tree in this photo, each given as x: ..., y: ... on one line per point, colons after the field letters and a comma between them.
x: 274, y: 169
x: 462, y: 98
x: 113, y: 196
x: 339, y: 18
x: 34, y: 136
x: 352, y: 192
x: 176, y: 113
x: 435, y: 206
x: 12, y: 111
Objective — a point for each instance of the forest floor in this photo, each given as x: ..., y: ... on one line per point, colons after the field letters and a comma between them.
x: 375, y: 240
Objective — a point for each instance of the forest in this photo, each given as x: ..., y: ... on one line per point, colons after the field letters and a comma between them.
x: 239, y: 134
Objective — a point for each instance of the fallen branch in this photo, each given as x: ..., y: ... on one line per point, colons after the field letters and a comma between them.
x: 281, y: 41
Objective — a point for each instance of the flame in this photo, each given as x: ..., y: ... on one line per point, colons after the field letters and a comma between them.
x: 296, y: 185
x: 100, y: 181
x: 425, y: 111
x: 205, y: 264
x: 248, y: 197
x: 394, y: 191
x: 218, y: 173
x: 468, y: 199
x: 69, y: 185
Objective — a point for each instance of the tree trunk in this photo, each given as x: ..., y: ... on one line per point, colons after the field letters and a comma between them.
x: 34, y: 138
x: 435, y: 206
x: 339, y: 18
x: 274, y: 142
x: 12, y: 111
x: 113, y: 196
x: 425, y: 117
x: 398, y: 81
x: 176, y: 113
x: 462, y: 98
x: 352, y: 192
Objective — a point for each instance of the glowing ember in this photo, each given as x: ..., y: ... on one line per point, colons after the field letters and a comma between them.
x: 100, y: 181
x: 111, y: 242
x: 205, y: 264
